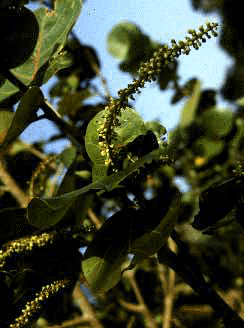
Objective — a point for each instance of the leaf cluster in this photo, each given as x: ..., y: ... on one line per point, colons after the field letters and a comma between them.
x: 112, y: 195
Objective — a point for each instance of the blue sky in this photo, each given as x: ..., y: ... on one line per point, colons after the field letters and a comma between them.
x: 162, y: 20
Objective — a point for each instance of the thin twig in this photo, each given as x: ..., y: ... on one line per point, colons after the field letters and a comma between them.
x: 141, y: 306
x: 72, y: 323
x: 94, y: 218
x: 170, y: 292
x: 12, y: 186
x: 196, y: 280
x: 70, y: 131
x: 161, y: 270
x: 88, y: 313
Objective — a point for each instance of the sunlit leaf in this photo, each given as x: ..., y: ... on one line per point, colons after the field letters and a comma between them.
x: 49, y: 68
x: 131, y: 125
x: 101, y: 274
x: 208, y: 148
x: 188, y: 112
x: 68, y: 155
x: 25, y: 114
x: 6, y: 118
x: 120, y: 39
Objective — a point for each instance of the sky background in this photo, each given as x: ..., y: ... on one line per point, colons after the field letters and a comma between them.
x: 161, y: 20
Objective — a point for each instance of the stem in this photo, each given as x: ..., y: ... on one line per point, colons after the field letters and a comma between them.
x: 141, y: 306
x: 71, y: 132
x: 170, y: 294
x: 12, y: 187
x: 88, y: 313
x: 93, y: 217
x: 196, y: 280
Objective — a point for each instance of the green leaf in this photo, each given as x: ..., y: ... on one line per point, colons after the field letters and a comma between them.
x: 131, y: 125
x: 25, y: 114
x: 54, y: 28
x: 102, y: 274
x: 121, y: 38
x: 68, y: 156
x: 47, y: 212
x: 104, y: 257
x: 71, y: 103
x: 188, y: 113
x: 125, y: 232
x: 150, y: 242
x: 6, y: 119
x: 157, y: 128
x: 127, y: 43
x: 217, y: 123
x: 57, y: 62
x: 240, y: 101
x: 208, y: 148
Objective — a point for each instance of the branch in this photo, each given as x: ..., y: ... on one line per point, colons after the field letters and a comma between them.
x: 170, y: 293
x: 12, y: 186
x: 196, y: 280
x: 88, y: 313
x: 141, y: 307
x: 71, y: 132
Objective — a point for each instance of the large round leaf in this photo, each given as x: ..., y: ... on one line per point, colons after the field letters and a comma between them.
x: 130, y: 126
x: 54, y: 26
x: 127, y: 43
x: 19, y: 31
x: 121, y: 38
x: 218, y: 123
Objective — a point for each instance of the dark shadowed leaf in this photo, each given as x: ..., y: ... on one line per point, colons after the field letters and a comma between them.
x: 128, y: 231
x: 13, y: 223
x: 71, y: 103
x: 54, y: 28
x: 18, y: 33
x: 127, y: 43
x: 217, y: 122
x: 47, y: 212
x: 150, y: 242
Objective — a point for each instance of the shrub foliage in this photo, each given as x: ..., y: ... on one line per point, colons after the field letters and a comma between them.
x: 101, y: 234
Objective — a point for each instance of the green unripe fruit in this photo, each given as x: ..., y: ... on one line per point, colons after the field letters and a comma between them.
x: 18, y: 36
